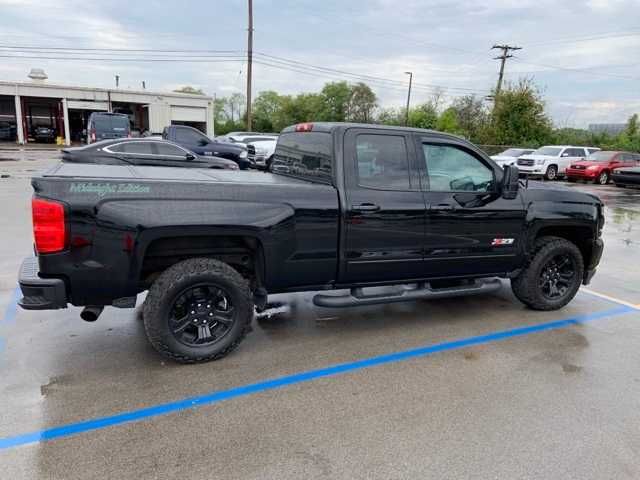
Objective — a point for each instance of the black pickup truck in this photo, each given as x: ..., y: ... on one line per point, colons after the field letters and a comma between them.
x: 346, y: 207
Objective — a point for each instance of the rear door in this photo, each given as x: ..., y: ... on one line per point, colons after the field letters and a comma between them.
x: 569, y: 156
x: 470, y: 228
x: 385, y: 211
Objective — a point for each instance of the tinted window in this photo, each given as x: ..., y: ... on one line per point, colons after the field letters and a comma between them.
x: 184, y: 135
x: 168, y: 149
x: 306, y: 155
x: 111, y: 123
x: 136, y: 147
x: 382, y: 162
x: 549, y: 151
x: 451, y: 169
x: 574, y: 152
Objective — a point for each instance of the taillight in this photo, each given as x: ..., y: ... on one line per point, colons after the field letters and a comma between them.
x: 93, y: 135
x: 304, y: 127
x: 49, y: 229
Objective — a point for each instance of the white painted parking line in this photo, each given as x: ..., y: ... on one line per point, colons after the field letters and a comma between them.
x: 610, y: 298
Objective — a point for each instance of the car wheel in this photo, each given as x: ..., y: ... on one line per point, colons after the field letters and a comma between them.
x: 552, y: 276
x: 552, y: 172
x: 198, y: 310
x: 603, y: 178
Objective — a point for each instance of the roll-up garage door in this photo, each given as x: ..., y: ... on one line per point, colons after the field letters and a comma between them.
x: 188, y: 114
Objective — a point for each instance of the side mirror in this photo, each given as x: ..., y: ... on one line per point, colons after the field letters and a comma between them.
x: 564, y: 154
x: 510, y: 183
x: 202, y: 142
x: 190, y: 156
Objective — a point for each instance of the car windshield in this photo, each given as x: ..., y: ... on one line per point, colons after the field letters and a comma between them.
x: 548, y: 151
x: 600, y: 156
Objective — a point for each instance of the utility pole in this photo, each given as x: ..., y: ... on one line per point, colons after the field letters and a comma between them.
x: 503, y: 58
x: 249, y: 62
x: 406, y: 113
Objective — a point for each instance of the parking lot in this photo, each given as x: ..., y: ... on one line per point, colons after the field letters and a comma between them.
x: 476, y: 387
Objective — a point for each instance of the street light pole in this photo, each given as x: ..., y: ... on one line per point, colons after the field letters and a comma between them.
x: 406, y: 116
x: 249, y: 64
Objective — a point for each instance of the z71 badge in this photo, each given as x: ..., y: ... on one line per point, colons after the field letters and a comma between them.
x: 502, y: 241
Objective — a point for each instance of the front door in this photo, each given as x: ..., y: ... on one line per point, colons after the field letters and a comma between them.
x: 470, y: 228
x: 384, y: 219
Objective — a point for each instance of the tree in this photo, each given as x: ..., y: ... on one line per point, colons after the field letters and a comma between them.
x: 448, y: 122
x: 471, y: 116
x: 189, y: 89
x: 632, y: 126
x: 236, y: 105
x: 266, y: 107
x: 423, y: 116
x: 335, y: 96
x: 362, y: 103
x: 519, y: 117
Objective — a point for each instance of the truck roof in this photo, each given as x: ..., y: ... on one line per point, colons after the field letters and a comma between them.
x: 332, y: 126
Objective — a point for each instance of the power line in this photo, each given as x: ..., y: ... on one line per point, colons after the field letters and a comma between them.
x: 590, y: 70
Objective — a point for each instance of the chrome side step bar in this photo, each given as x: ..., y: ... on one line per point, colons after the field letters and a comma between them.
x: 404, y: 293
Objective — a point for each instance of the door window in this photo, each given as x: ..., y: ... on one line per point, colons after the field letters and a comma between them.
x: 139, y: 148
x: 166, y: 149
x: 382, y: 162
x: 574, y: 152
x: 451, y: 169
x: 191, y: 137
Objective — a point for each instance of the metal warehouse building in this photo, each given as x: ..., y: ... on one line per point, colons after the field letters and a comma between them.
x: 27, y: 105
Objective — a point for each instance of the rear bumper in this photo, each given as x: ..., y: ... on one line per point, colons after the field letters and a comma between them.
x: 596, y: 255
x: 40, y: 293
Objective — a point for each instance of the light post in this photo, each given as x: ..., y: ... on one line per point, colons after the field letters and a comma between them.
x: 406, y: 116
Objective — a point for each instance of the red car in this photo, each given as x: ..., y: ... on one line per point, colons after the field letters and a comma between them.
x: 598, y: 166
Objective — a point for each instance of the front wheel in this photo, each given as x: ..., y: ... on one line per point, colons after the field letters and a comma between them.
x: 603, y: 178
x: 552, y: 172
x: 553, y: 275
x: 198, y: 310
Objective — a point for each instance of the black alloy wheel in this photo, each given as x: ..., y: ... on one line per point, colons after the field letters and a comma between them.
x: 201, y: 315
x: 557, y: 277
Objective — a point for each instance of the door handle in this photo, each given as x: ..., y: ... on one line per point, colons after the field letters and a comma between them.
x: 443, y: 207
x: 365, y: 207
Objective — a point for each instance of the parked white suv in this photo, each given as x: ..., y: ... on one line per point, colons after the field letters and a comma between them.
x: 552, y: 161
x: 510, y: 156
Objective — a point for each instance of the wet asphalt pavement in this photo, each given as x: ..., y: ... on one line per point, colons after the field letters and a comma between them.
x: 557, y: 400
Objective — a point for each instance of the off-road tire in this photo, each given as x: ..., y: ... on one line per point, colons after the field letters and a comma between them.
x: 551, y: 173
x: 526, y: 285
x: 175, y: 279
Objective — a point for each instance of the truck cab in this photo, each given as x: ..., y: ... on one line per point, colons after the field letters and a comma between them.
x: 199, y: 143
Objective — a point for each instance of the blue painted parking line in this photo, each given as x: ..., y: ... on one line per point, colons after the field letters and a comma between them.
x: 12, y: 309
x: 335, y: 370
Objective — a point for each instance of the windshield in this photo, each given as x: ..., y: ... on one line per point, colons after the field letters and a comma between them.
x: 548, y: 151
x: 600, y: 156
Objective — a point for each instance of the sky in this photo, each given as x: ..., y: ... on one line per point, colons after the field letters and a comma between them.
x: 584, y: 55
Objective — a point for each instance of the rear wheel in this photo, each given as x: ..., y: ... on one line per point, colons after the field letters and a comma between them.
x: 551, y: 173
x: 552, y: 276
x: 198, y: 310
x: 603, y: 178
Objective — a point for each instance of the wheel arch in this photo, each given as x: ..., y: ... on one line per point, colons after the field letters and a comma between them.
x: 242, y: 250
